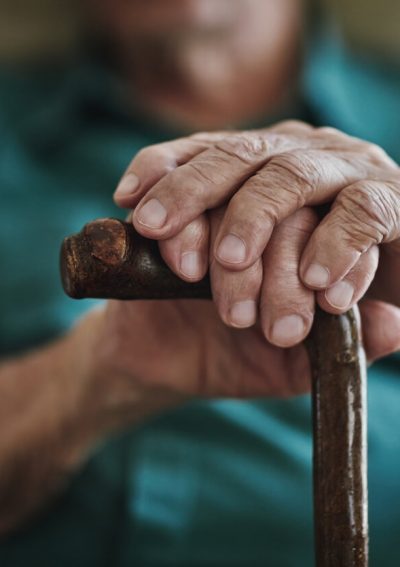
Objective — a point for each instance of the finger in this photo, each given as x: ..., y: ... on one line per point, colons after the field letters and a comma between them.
x: 364, y: 214
x: 347, y: 292
x: 380, y: 327
x: 154, y: 162
x: 235, y: 295
x: 205, y: 182
x: 285, y: 184
x: 187, y: 253
x: 288, y: 182
x: 151, y: 164
x: 287, y: 306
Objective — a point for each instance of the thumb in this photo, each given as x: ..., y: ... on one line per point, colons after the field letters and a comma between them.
x: 380, y: 327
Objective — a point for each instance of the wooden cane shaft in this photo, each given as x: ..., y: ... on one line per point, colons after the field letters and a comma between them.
x: 108, y: 259
x: 340, y: 445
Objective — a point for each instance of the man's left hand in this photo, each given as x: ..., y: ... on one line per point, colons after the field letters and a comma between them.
x: 224, y: 199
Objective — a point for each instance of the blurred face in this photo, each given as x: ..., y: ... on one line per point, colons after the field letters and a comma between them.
x: 217, y: 60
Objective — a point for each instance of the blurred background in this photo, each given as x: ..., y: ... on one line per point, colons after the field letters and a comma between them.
x: 185, y: 486
x: 33, y: 29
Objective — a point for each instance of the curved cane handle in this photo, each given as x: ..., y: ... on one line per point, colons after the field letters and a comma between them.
x: 108, y: 259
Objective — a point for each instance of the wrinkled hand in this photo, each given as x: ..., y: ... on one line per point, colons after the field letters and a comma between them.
x: 268, y: 252
x: 155, y: 354
x: 181, y: 349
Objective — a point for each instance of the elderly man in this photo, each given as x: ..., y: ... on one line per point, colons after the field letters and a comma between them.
x: 205, y: 482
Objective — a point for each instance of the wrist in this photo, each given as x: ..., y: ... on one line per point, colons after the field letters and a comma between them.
x: 110, y: 395
x: 55, y: 404
x: 44, y: 432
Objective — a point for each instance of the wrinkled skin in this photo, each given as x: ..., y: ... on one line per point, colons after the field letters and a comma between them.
x: 208, y: 65
x: 272, y: 177
x: 244, y: 362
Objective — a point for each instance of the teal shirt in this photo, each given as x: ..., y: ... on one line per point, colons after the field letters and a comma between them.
x: 224, y: 483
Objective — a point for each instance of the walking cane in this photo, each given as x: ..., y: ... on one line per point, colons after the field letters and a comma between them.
x: 109, y: 260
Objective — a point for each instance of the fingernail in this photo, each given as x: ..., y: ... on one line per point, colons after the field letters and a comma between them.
x: 190, y: 264
x: 243, y: 313
x: 127, y: 186
x: 288, y: 330
x: 317, y: 276
x: 340, y: 295
x: 232, y: 249
x: 153, y: 214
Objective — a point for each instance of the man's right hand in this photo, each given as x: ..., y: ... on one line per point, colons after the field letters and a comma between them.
x: 129, y: 361
x: 168, y: 351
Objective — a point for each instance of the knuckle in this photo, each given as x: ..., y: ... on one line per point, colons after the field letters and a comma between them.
x: 202, y: 136
x: 308, y: 215
x: 242, y: 286
x: 378, y: 156
x: 364, y: 271
x: 294, y: 125
x: 249, y: 283
x: 202, y: 174
x: 138, y: 161
x: 248, y: 147
x: 185, y: 188
x: 303, y: 221
x: 148, y: 152
x: 195, y: 233
x: 155, y: 154
x: 208, y: 137
x: 330, y: 132
x: 253, y: 196
x: 296, y: 174
x: 281, y: 303
x: 370, y: 211
x: 241, y: 291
